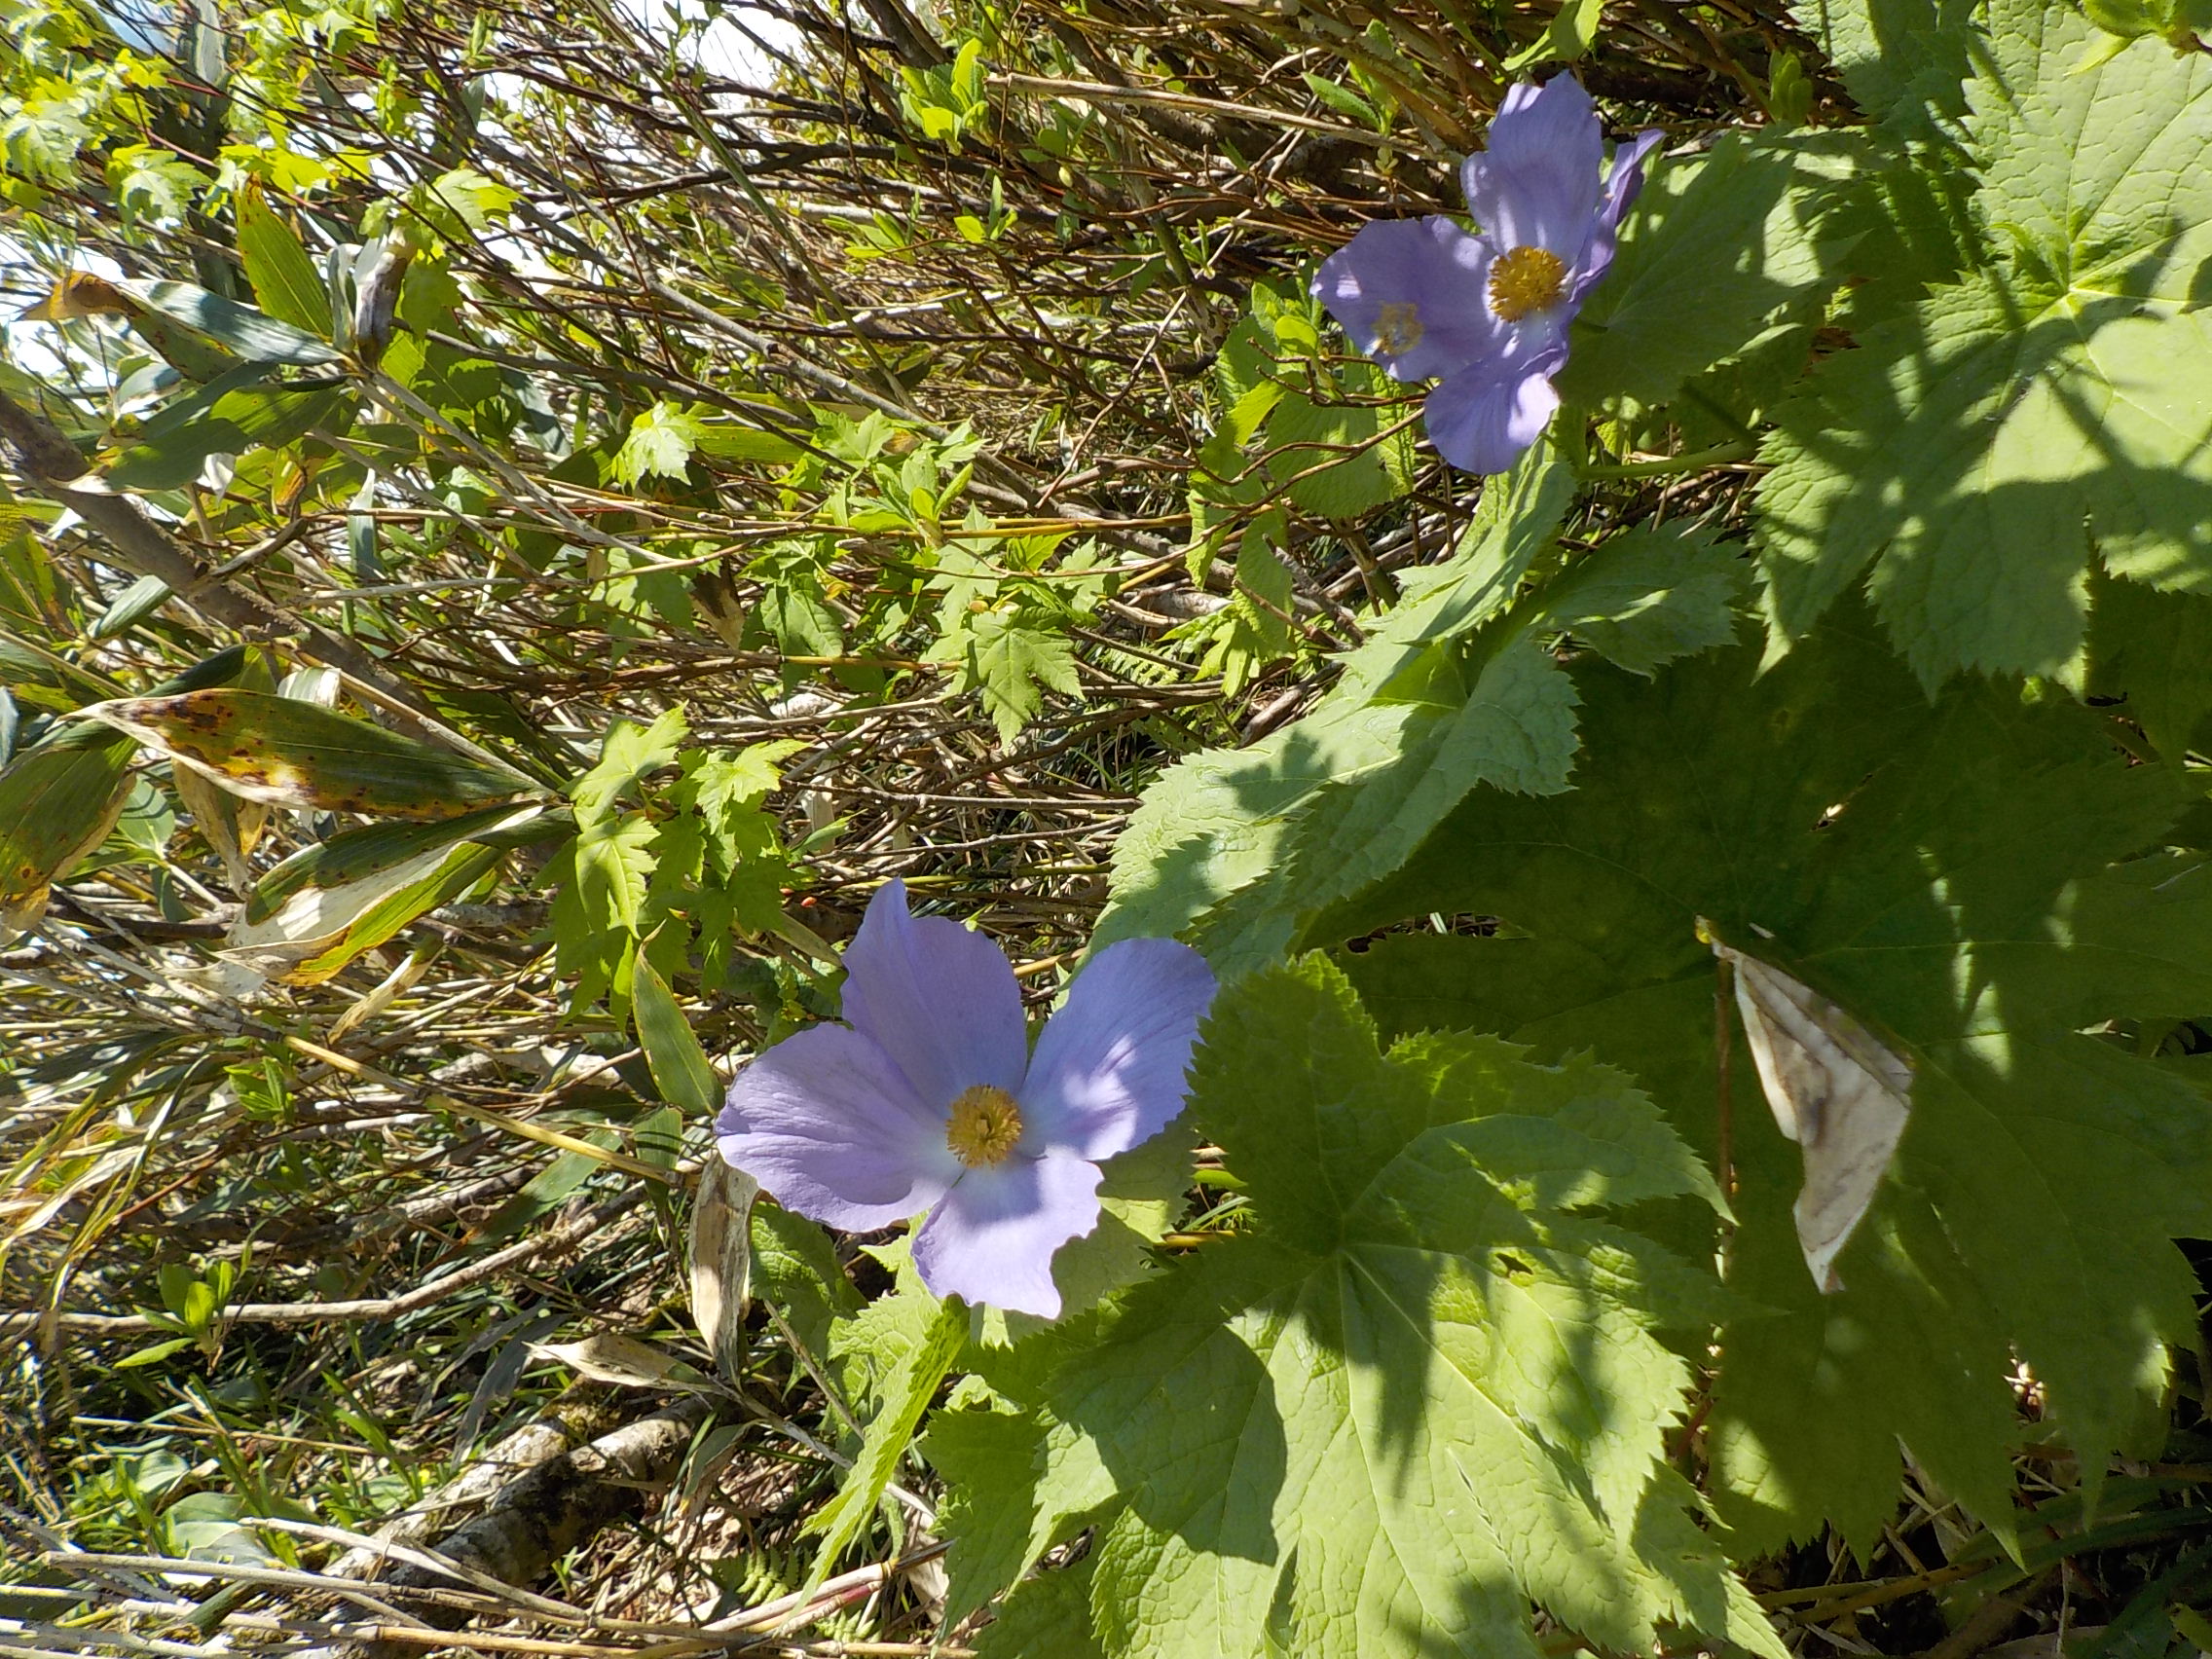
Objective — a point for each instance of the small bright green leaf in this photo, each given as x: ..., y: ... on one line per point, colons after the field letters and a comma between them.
x: 628, y: 754
x: 613, y: 862
x: 477, y: 200
x: 796, y: 614
x: 1012, y: 662
x: 986, y: 1456
x: 1569, y: 34
x: 1343, y: 99
x: 719, y: 783
x: 726, y: 442
x: 154, y: 1353
x: 151, y: 183
x: 660, y: 443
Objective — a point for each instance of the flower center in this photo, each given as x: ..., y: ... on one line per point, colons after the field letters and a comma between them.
x: 985, y: 1124
x: 1526, y: 280
x: 1397, y: 328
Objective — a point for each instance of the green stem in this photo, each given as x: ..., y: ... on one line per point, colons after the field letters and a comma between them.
x: 1697, y: 461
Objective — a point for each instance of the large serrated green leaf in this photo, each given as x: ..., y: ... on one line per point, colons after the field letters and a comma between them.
x: 1419, y: 1394
x: 1894, y: 53
x: 1454, y: 692
x: 1647, y: 595
x: 986, y: 1458
x: 1225, y: 819
x: 2099, y: 173
x: 1973, y: 451
x: 1944, y: 872
x: 2153, y: 650
x: 1049, y: 1614
x: 1717, y: 247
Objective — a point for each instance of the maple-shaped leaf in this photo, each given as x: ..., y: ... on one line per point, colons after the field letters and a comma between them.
x: 1962, y: 877
x: 1424, y: 1389
x: 661, y: 442
x: 1974, y: 450
x: 627, y: 754
x: 1011, y: 660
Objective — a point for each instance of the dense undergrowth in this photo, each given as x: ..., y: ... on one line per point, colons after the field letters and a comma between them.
x: 615, y: 490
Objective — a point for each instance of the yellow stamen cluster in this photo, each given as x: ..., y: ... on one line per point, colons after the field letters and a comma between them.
x: 986, y: 1125
x: 1524, y: 280
x: 1397, y: 328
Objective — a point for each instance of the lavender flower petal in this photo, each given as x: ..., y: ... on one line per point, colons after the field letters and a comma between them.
x: 1480, y: 419
x: 829, y: 1126
x: 1623, y: 184
x: 940, y: 1000
x: 1536, y: 183
x: 1402, y: 290
x: 991, y: 1240
x: 1108, y: 1072
x: 1624, y: 180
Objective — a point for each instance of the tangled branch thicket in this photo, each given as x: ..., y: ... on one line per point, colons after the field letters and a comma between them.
x: 282, y: 1270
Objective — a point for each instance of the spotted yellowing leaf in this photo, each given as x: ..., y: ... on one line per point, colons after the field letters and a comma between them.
x: 292, y: 753
x: 56, y: 804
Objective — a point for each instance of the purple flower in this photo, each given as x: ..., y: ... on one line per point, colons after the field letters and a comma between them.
x: 1488, y: 312
x: 930, y: 1098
